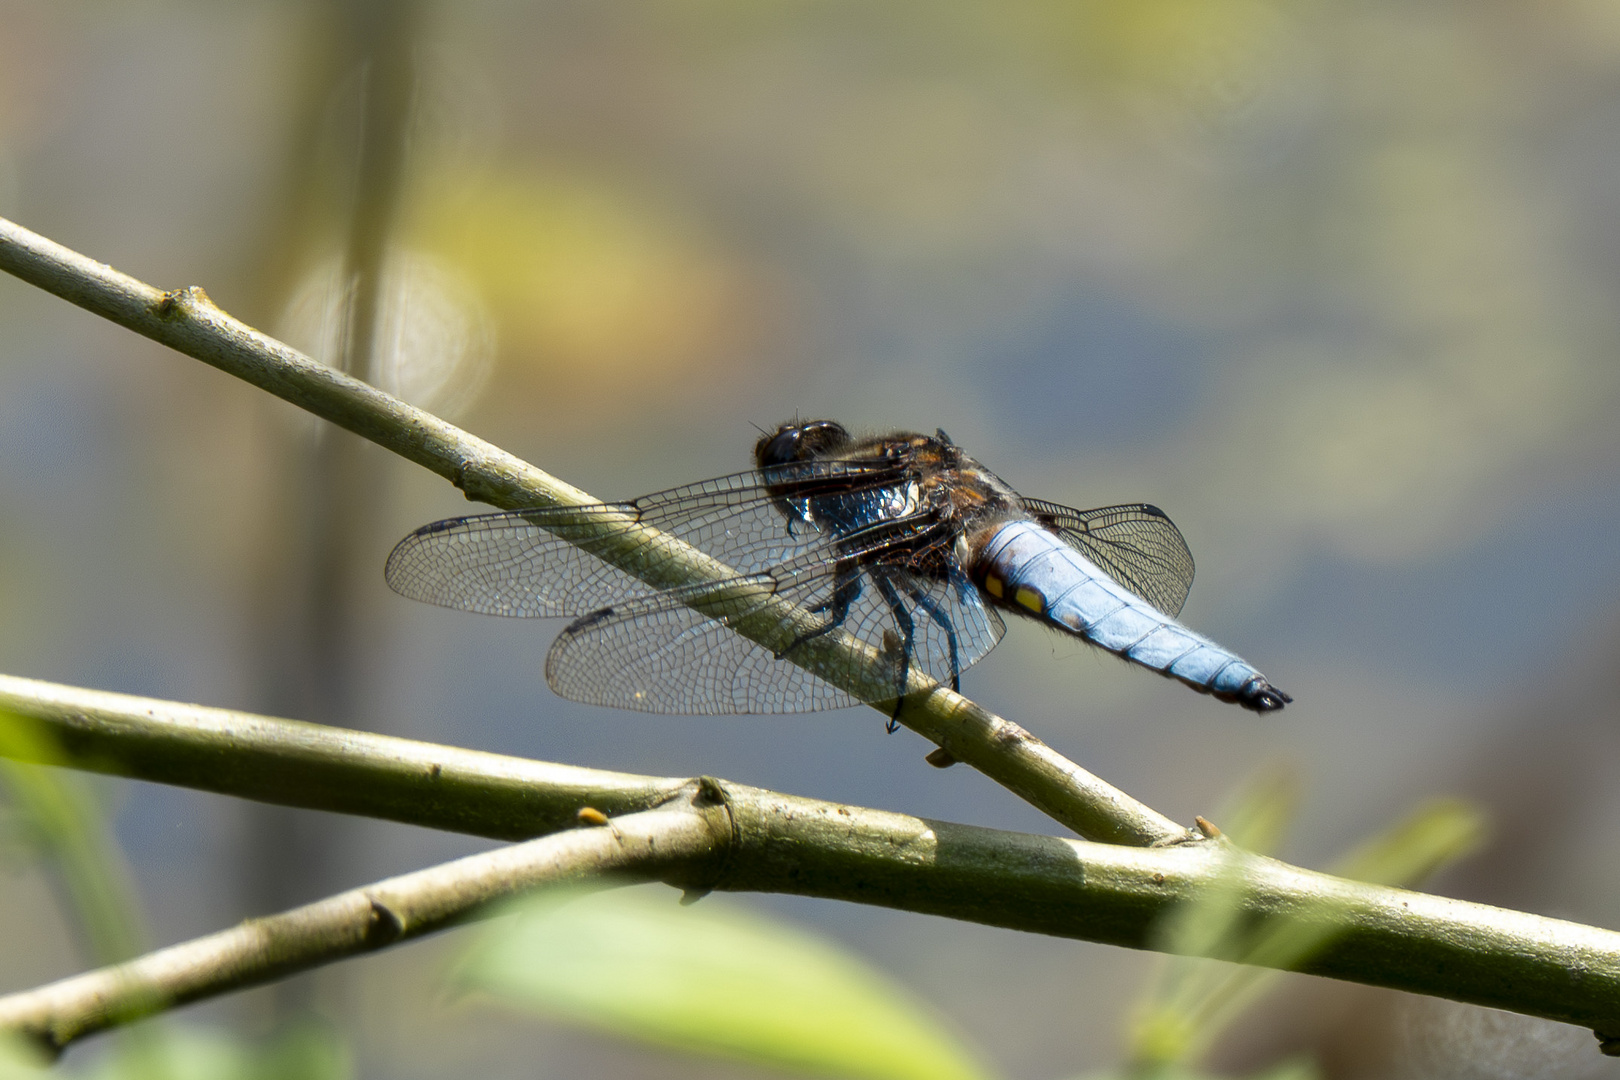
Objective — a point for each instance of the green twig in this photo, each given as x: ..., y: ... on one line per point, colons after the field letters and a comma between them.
x: 638, y: 847
x: 292, y: 763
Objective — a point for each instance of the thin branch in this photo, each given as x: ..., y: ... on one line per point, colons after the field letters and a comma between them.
x: 639, y: 847
x: 186, y: 320
x: 292, y: 763
x: 729, y: 837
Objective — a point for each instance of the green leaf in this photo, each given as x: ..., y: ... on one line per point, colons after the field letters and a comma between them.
x: 1436, y: 833
x: 714, y: 980
x: 1257, y: 816
x: 309, y: 1051
x: 176, y: 1054
x: 1196, y: 1000
x: 1172, y: 1024
x: 61, y: 817
x: 1293, y: 1069
x: 21, y: 1059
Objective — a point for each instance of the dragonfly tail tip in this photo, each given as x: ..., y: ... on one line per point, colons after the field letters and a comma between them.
x: 1261, y: 696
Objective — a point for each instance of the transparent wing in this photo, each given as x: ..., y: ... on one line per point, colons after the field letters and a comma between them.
x: 660, y: 653
x: 655, y: 654
x: 543, y: 563
x: 1136, y: 544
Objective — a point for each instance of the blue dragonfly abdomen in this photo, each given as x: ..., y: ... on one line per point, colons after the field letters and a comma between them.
x: 1028, y: 568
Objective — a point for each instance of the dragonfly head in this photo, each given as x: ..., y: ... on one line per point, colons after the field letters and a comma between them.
x: 799, y: 442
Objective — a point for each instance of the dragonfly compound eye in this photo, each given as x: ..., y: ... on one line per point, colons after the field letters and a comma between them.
x: 800, y: 442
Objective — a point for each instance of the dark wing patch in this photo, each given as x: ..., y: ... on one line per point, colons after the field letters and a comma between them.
x: 1136, y: 544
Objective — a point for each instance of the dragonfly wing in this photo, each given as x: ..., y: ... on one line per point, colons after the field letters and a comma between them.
x: 544, y: 562
x: 656, y: 654
x: 675, y: 652
x: 951, y: 627
x: 1135, y: 544
x: 526, y: 564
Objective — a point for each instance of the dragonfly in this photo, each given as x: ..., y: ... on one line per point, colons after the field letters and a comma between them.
x: 898, y: 543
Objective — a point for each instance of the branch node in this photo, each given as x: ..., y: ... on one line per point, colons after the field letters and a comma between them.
x: 475, y: 485
x: 175, y: 301
x: 712, y: 800
x: 51, y: 1041
x: 386, y: 925
x: 1008, y: 734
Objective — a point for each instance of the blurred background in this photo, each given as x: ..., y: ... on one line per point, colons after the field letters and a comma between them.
x: 1331, y: 283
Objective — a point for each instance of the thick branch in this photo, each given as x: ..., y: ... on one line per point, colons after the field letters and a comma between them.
x: 186, y: 320
x: 722, y: 836
x: 641, y: 846
x: 292, y: 763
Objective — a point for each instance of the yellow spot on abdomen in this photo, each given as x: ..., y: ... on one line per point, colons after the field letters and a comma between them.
x: 1031, y: 599
x: 992, y: 585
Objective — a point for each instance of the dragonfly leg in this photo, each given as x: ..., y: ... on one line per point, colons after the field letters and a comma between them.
x: 836, y: 608
x: 935, y: 612
x: 908, y: 638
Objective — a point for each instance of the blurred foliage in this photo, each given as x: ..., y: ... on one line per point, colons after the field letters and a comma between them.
x: 56, y: 815
x: 180, y: 1052
x: 1288, y: 1070
x: 21, y: 1060
x: 53, y: 811
x: 301, y: 1052
x: 713, y: 979
x: 591, y: 283
x: 1195, y: 1000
